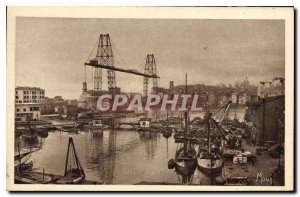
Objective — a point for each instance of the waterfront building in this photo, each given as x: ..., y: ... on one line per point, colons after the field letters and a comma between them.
x: 28, y: 103
x: 267, y: 116
x: 202, y: 100
x: 47, y: 106
x: 271, y: 88
x: 223, y: 100
x: 265, y: 111
x: 243, y: 98
x: 87, y: 100
x: 60, y: 109
x: 234, y: 98
x: 212, y: 99
x: 29, y: 95
x: 59, y: 106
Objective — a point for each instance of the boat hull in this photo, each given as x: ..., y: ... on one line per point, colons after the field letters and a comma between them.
x: 183, y: 167
x: 186, y: 168
x: 210, y: 166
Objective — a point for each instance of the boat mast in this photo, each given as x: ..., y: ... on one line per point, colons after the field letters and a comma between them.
x: 185, y: 120
x: 167, y: 117
x: 208, y: 136
x: 19, y: 154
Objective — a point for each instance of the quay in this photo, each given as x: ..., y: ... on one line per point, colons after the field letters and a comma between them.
x: 46, y: 178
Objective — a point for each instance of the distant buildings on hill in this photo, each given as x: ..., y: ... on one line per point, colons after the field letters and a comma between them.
x: 215, y: 96
x: 31, y: 103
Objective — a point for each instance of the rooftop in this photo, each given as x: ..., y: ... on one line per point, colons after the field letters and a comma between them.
x: 28, y: 88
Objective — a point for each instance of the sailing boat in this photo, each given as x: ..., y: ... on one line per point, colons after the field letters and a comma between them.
x: 30, y: 134
x: 74, y: 173
x: 167, y: 130
x: 185, y: 161
x: 209, y: 159
x: 20, y: 161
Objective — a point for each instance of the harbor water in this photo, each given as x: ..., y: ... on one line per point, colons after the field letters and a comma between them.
x: 121, y: 156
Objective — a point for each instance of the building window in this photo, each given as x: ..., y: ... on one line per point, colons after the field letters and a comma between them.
x: 16, y: 92
x: 17, y: 97
x: 24, y: 109
x: 18, y: 109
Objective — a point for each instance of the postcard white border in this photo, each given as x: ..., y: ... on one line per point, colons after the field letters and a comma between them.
x: 285, y: 13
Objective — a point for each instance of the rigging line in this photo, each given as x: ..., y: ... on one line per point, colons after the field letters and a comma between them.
x: 141, y: 66
x: 85, y: 73
x: 123, y: 62
x: 92, y: 50
x: 156, y: 63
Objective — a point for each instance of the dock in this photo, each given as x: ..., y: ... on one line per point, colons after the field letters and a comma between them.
x: 46, y: 178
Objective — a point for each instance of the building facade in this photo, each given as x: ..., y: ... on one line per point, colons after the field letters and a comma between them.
x: 28, y: 103
x: 243, y: 98
x: 223, y: 100
x: 212, y: 99
x: 266, y: 115
x: 29, y: 95
x: 271, y: 88
x: 234, y: 98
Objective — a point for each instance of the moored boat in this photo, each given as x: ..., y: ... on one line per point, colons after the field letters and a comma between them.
x: 30, y: 135
x: 185, y: 161
x: 97, y: 124
x: 145, y: 125
x: 167, y: 132
x: 209, y: 159
x: 74, y: 173
x: 43, y: 133
x: 209, y: 162
x: 21, y: 161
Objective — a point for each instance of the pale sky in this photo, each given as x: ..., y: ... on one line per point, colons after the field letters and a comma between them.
x: 50, y: 52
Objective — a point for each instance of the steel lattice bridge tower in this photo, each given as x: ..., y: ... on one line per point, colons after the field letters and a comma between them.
x: 150, y: 69
x: 105, y: 60
x: 105, y: 57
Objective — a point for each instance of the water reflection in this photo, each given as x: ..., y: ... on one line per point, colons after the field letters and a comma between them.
x: 28, y: 144
x: 119, y: 157
x: 150, y: 140
x: 100, y: 155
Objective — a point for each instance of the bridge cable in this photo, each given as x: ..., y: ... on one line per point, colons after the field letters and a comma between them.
x: 92, y: 50
x: 122, y: 61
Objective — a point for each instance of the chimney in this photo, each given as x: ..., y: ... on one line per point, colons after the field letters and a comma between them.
x: 171, y: 86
